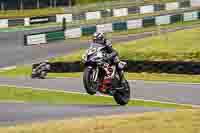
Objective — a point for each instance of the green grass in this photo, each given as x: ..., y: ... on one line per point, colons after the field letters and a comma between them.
x: 31, y: 27
x: 94, y: 1
x: 19, y: 71
x: 25, y: 71
x: 181, y: 121
x: 186, y: 78
x: 30, y: 12
x: 182, y: 78
x: 93, y: 5
x: 63, y: 75
x: 178, y: 46
x: 51, y: 97
x: 91, y: 1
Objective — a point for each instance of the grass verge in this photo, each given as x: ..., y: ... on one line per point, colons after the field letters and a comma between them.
x: 182, y: 78
x: 93, y: 5
x: 30, y: 12
x: 185, y: 121
x: 53, y: 97
x: 17, y: 72
x: 177, y: 46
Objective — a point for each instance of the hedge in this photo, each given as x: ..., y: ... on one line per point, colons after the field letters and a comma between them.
x: 172, y: 67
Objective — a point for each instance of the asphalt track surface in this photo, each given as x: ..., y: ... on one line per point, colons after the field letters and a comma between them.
x: 158, y: 91
x: 14, y: 113
x: 20, y: 113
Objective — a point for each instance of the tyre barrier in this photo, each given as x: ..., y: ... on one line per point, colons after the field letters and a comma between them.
x: 61, y: 67
x: 171, y: 67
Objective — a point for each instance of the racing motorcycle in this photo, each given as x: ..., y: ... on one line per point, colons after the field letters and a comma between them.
x: 40, y: 70
x: 100, y: 76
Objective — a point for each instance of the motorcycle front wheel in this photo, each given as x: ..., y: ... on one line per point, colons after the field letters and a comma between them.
x: 43, y: 75
x: 88, y: 81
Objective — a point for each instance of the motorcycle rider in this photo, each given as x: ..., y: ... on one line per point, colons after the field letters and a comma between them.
x: 112, y: 54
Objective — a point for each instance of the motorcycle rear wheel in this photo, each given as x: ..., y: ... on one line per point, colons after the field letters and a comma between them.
x: 122, y: 96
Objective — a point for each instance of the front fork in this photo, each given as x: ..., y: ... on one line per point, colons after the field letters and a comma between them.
x: 95, y: 74
x: 121, y: 75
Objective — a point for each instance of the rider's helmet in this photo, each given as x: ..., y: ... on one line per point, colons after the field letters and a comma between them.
x: 99, y: 37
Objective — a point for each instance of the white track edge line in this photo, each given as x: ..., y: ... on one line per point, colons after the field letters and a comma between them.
x: 73, y: 92
x: 145, y: 81
x: 3, y: 69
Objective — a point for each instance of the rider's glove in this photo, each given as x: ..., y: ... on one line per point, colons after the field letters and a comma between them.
x: 109, y: 56
x: 105, y: 58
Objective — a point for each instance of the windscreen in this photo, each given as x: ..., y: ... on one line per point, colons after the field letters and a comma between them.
x: 96, y: 45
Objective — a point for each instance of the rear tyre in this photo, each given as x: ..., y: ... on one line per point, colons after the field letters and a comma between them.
x: 90, y: 86
x: 122, y: 96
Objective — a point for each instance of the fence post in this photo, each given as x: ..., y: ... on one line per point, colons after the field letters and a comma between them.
x: 2, y: 6
x: 64, y: 24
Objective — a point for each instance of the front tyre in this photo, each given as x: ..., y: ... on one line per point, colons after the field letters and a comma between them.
x: 33, y: 76
x: 122, y: 96
x: 43, y: 75
x: 89, y: 84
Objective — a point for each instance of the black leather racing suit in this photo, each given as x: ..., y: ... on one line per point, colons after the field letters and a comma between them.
x: 112, y: 55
